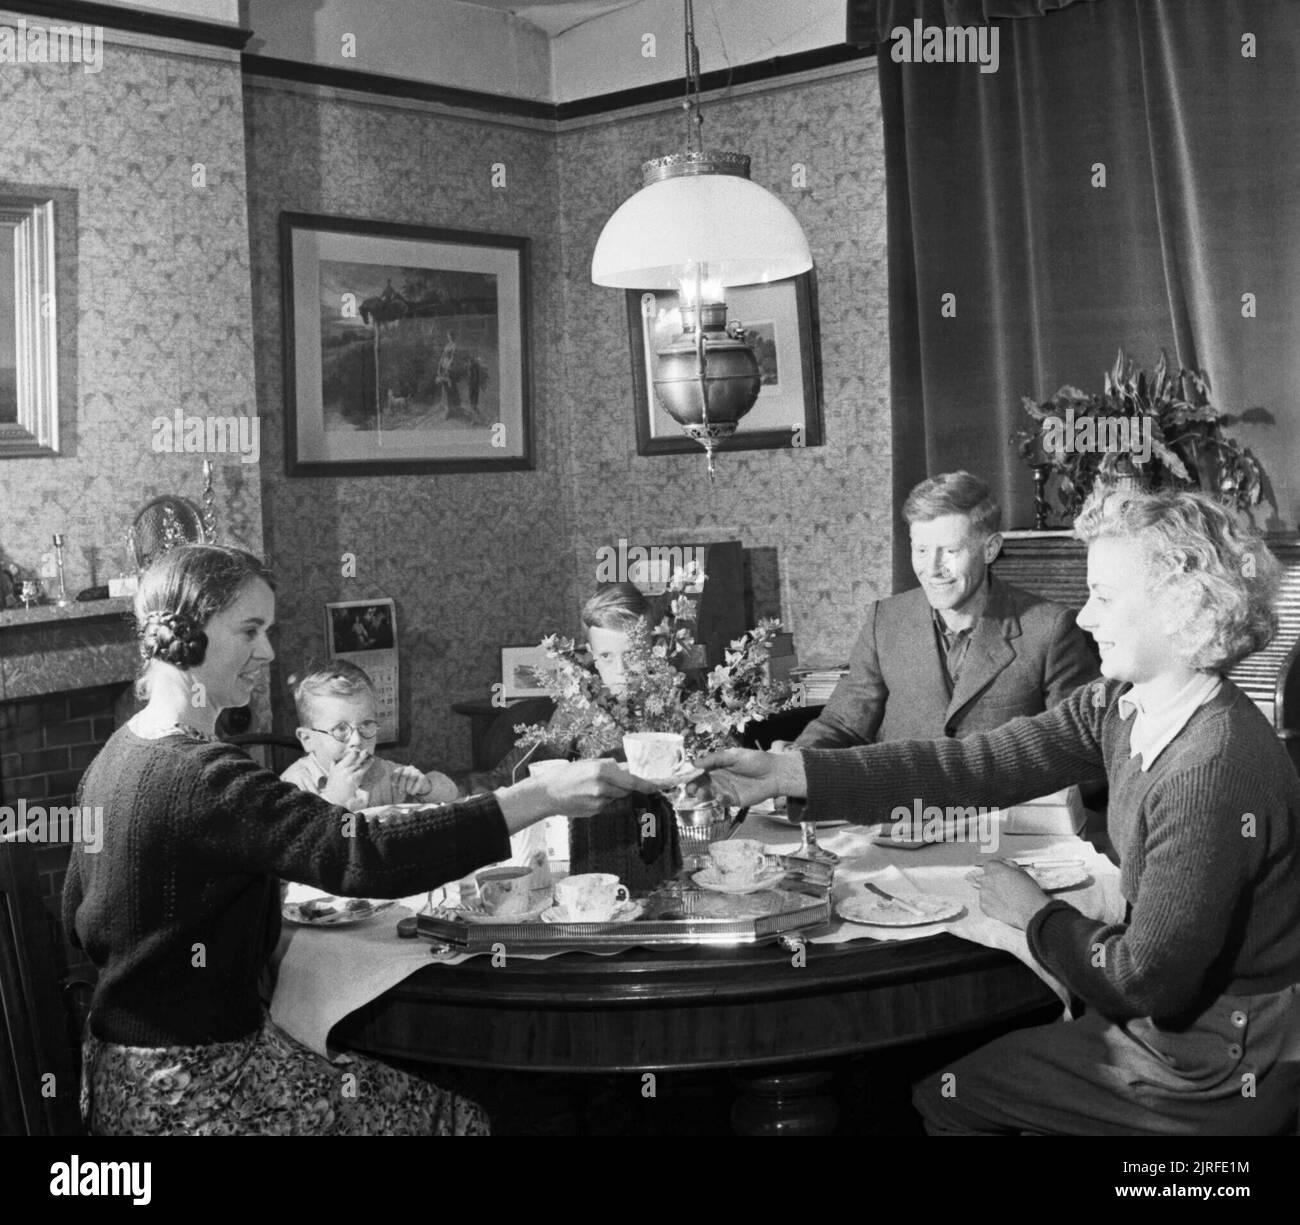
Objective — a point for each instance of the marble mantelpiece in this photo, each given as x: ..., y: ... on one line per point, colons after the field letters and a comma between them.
x: 45, y: 650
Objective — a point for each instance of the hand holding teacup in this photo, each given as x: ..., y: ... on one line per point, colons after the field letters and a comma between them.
x: 747, y: 776
x: 574, y: 788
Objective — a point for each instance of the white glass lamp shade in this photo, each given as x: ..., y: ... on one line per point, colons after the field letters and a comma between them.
x: 740, y: 231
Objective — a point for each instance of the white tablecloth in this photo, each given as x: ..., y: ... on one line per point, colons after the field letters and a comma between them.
x: 327, y: 972
x: 941, y: 870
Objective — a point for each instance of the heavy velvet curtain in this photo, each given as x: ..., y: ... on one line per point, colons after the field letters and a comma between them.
x: 1128, y: 174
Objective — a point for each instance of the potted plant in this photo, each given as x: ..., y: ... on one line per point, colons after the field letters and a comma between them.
x: 1147, y: 430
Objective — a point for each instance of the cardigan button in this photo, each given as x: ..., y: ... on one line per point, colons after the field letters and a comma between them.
x: 1238, y: 1018
x: 1234, y: 1051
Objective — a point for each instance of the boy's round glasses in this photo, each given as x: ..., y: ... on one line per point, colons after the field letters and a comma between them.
x: 342, y: 732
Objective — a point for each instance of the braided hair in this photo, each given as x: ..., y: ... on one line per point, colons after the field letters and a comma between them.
x: 180, y: 593
x: 173, y: 638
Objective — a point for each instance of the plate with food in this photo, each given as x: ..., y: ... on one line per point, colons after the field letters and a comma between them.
x: 915, y: 910
x: 913, y: 835
x: 1049, y: 877
x: 324, y: 910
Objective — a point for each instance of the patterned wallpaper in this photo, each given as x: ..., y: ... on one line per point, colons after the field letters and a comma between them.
x: 161, y: 319
x: 476, y: 561
x: 472, y: 559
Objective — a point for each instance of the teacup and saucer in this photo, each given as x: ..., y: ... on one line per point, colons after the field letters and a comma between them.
x: 738, y: 865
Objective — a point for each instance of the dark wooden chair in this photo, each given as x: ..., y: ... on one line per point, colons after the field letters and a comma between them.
x: 500, y: 736
x: 281, y: 751
x: 1286, y: 703
x: 39, y: 1076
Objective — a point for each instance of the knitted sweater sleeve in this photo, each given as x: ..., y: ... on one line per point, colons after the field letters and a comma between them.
x: 1027, y: 757
x: 241, y: 818
x: 72, y: 895
x: 1195, y: 878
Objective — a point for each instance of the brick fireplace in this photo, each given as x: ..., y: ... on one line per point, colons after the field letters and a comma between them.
x: 65, y: 685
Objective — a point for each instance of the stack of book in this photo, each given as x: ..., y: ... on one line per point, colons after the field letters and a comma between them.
x: 817, y: 683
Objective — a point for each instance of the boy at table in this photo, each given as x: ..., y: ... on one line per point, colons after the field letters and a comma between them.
x: 1193, y: 1018
x: 337, y: 710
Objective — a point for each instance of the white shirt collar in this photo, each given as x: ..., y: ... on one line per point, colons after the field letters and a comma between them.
x: 1156, y: 726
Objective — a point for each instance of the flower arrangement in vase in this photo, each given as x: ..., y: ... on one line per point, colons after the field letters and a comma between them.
x: 665, y: 691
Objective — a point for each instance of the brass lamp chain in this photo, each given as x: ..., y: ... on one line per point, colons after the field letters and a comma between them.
x: 694, y: 115
x: 701, y: 359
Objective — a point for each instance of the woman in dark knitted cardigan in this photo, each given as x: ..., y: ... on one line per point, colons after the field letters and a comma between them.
x: 180, y: 910
x: 638, y: 851
x: 1193, y: 1020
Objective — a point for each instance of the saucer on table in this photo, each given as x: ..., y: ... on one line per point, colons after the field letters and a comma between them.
x: 624, y: 912
x: 475, y: 914
x: 914, y: 838
x: 717, y: 882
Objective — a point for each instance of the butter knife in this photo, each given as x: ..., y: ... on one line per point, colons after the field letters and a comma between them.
x: 898, y: 901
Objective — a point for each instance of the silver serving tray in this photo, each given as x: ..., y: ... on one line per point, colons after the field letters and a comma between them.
x: 669, y: 922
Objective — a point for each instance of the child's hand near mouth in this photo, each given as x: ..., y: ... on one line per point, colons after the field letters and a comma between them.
x: 343, y: 782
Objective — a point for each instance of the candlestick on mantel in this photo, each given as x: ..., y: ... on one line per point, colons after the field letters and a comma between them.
x: 63, y: 601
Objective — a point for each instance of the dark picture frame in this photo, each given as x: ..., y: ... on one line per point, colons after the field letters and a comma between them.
x: 406, y: 348
x: 785, y: 336
x: 38, y: 320
x: 516, y: 665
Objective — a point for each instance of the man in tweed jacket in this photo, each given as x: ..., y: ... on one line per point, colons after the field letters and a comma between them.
x: 963, y: 652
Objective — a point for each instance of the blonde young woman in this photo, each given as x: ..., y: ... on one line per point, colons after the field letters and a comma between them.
x: 1193, y: 1002
x: 180, y: 909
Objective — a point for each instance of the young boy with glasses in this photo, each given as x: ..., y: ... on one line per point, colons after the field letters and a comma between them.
x: 337, y: 728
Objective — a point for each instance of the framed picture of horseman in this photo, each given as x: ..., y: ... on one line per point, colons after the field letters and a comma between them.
x: 406, y: 348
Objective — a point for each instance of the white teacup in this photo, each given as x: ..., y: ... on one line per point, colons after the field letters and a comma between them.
x: 654, y: 754
x: 506, y: 891
x: 590, y: 897
x: 539, y: 769
x: 738, y: 859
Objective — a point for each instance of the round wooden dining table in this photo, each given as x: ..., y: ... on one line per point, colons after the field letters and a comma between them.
x: 777, y: 1016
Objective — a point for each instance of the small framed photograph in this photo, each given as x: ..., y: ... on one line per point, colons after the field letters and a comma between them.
x: 780, y: 324
x: 406, y: 348
x: 519, y: 668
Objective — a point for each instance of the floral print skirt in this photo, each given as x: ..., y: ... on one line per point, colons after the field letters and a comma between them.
x: 264, y: 1085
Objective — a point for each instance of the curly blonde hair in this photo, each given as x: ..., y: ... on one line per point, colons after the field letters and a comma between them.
x: 1211, y: 578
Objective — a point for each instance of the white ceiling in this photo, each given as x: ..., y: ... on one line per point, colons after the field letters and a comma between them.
x: 556, y: 16
x: 542, y: 50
